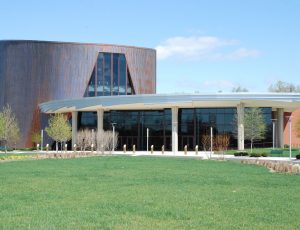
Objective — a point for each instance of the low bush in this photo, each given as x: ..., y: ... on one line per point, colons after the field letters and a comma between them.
x: 298, y: 156
x: 255, y: 154
x: 282, y: 167
x: 239, y: 154
x: 264, y: 154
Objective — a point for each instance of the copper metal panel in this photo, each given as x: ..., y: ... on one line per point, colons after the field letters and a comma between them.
x: 32, y: 72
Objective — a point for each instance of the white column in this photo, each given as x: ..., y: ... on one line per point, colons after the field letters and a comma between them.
x: 174, y: 130
x: 240, y: 118
x: 100, y: 113
x: 74, y: 127
x: 280, y: 125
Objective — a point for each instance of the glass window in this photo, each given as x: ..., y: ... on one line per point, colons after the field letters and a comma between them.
x: 107, y: 75
x: 115, y: 86
x: 100, y: 71
x: 122, y: 74
x: 91, y: 87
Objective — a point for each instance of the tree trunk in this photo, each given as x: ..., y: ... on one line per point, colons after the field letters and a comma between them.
x: 251, y: 144
x: 56, y: 147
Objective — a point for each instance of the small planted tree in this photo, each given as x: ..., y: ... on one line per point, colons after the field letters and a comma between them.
x: 36, y: 137
x: 222, y: 142
x: 85, y: 139
x: 9, y: 128
x: 59, y: 129
x: 254, y: 125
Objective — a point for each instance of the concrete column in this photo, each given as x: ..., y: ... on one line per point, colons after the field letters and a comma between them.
x: 280, y: 127
x: 100, y: 114
x: 174, y: 130
x: 74, y: 127
x: 240, y: 121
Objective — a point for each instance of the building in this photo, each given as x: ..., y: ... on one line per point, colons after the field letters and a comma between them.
x: 32, y: 72
x: 97, y: 85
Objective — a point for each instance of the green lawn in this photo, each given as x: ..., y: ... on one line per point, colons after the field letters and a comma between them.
x: 145, y: 193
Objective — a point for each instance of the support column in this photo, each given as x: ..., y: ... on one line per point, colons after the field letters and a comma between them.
x: 100, y: 114
x: 74, y: 127
x: 240, y: 124
x: 280, y: 126
x: 175, y: 130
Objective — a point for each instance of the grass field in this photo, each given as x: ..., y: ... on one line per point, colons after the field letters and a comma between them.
x: 145, y: 193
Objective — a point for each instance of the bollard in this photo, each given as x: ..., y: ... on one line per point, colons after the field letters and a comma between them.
x: 151, y: 149
x: 37, y: 147
x: 47, y: 147
x: 133, y: 149
x: 196, y: 149
x: 66, y: 148
x: 92, y: 148
x: 102, y: 149
x: 124, y: 148
x: 162, y: 149
x: 74, y: 148
x: 185, y: 149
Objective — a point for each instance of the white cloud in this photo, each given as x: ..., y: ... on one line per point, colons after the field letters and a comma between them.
x: 205, y: 47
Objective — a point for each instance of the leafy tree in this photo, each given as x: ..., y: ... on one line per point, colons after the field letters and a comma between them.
x: 254, y: 125
x: 9, y: 128
x: 284, y: 87
x: 36, y: 137
x: 297, y: 126
x: 59, y: 129
x: 239, y: 89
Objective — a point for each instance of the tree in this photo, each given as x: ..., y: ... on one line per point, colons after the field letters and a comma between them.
x: 284, y: 87
x: 239, y: 89
x: 297, y: 126
x: 254, y: 125
x: 36, y: 137
x: 9, y: 128
x: 59, y: 129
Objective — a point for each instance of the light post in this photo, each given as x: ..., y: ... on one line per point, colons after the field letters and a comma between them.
x: 273, y: 131
x: 113, y: 126
x: 42, y: 139
x: 211, y: 140
x: 147, y: 139
x: 290, y: 134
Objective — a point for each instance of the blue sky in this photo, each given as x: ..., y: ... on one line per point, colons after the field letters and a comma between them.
x: 202, y: 46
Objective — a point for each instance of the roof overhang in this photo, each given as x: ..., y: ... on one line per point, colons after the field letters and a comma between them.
x: 288, y: 101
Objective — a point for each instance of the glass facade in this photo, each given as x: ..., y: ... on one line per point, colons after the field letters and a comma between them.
x: 196, y: 122
x: 110, y: 76
x: 132, y: 128
x: 192, y: 125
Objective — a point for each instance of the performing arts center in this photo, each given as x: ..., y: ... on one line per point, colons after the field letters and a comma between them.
x: 98, y: 85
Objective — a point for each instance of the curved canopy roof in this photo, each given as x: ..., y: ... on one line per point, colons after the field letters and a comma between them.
x: 287, y: 101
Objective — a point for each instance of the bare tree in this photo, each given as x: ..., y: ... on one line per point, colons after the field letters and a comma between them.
x: 85, y: 138
x: 9, y: 128
x: 239, y: 89
x: 222, y: 142
x: 284, y: 87
x: 106, y: 141
x: 205, y: 141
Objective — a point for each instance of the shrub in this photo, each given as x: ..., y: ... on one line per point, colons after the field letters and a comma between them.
x: 264, y: 154
x: 255, y: 155
x: 298, y: 156
x: 239, y: 154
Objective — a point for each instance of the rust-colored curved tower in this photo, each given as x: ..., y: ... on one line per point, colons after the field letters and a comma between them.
x: 32, y: 72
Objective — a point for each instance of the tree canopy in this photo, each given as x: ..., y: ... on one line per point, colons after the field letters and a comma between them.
x: 9, y: 128
x: 59, y: 128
